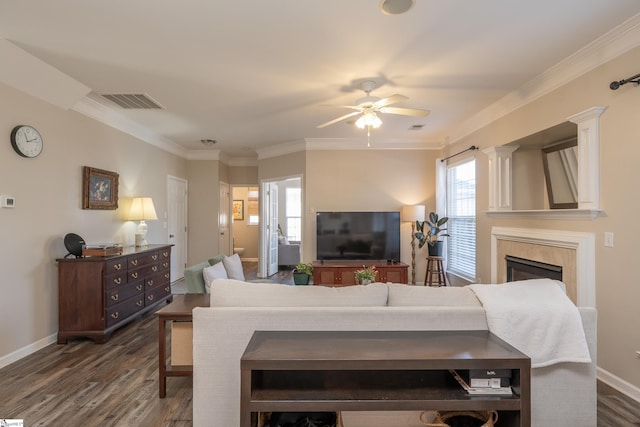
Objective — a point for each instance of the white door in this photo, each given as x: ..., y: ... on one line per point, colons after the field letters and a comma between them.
x: 223, y: 219
x: 273, y: 229
x: 177, y: 224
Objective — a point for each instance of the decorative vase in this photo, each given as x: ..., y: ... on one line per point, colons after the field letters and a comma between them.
x: 300, y: 278
x: 436, y: 248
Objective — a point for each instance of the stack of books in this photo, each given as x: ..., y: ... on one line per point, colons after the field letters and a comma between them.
x: 485, y: 381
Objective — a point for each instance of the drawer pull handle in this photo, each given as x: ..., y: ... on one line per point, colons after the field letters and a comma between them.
x: 165, y: 265
x: 154, y: 268
x: 114, y: 315
x: 167, y: 288
x: 166, y: 276
x: 134, y: 275
x: 139, y: 287
x: 154, y: 257
x: 139, y: 303
x: 114, y: 297
x: 150, y: 283
x: 134, y: 261
x: 117, y: 266
x: 117, y: 281
x: 150, y: 297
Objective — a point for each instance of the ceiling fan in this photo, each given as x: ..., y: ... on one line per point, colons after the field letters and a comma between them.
x: 368, y: 106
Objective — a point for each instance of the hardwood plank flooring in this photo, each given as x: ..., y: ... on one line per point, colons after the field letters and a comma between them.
x: 116, y: 384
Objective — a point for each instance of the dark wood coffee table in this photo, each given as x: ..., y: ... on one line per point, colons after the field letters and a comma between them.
x: 179, y: 310
x: 293, y: 371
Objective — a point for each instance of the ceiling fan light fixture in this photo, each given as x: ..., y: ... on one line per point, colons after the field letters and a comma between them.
x: 396, y: 7
x: 369, y: 119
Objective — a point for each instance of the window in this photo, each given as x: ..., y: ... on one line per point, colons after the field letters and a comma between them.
x: 461, y: 210
x: 253, y: 206
x: 293, y: 213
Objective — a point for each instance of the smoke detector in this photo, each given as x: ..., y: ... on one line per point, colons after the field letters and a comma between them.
x: 208, y: 142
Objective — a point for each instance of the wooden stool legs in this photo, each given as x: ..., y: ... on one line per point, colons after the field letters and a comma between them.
x: 435, y: 268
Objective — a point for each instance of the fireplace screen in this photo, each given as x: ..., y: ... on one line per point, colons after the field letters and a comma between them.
x: 523, y: 269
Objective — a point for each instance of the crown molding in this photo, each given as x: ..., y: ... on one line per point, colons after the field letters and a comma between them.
x: 95, y: 110
x: 612, y: 44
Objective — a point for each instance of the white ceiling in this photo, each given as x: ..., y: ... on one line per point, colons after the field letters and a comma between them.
x: 253, y: 74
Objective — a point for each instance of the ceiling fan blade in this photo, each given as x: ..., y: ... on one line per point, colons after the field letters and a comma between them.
x: 405, y: 111
x: 389, y: 100
x: 330, y: 122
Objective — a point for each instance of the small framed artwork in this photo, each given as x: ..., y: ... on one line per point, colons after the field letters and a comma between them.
x: 99, y: 189
x: 238, y: 210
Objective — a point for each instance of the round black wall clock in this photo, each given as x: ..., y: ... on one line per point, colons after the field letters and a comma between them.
x: 26, y: 141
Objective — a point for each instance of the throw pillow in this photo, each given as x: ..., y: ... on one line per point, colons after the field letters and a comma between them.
x: 233, y: 265
x: 216, y: 271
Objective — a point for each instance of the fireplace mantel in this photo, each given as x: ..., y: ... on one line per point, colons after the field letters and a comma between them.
x: 557, y: 214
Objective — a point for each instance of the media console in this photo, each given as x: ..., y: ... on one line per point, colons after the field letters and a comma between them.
x: 342, y: 272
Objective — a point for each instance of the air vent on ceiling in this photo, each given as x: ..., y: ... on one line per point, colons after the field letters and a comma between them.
x: 133, y: 101
x: 416, y: 127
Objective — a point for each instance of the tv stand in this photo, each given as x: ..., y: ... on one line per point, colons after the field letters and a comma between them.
x: 342, y: 272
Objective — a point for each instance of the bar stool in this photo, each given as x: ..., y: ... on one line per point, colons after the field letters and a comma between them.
x: 435, y: 268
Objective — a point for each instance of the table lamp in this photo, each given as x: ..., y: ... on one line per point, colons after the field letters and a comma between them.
x: 142, y: 209
x: 413, y: 213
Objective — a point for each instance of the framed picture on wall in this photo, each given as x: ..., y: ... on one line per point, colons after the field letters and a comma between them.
x: 99, y: 189
x: 238, y: 210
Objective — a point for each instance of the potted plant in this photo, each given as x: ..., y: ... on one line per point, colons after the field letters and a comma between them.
x: 366, y: 275
x: 430, y: 231
x: 302, y: 272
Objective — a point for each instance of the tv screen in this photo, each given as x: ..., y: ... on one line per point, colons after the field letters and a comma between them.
x: 358, y: 235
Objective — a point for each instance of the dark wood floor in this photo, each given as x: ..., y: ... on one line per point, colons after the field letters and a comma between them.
x: 116, y: 384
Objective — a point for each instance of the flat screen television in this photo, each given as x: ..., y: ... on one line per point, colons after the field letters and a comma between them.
x: 358, y: 235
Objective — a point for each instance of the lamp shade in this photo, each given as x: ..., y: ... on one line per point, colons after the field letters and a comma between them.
x: 142, y: 209
x: 412, y: 213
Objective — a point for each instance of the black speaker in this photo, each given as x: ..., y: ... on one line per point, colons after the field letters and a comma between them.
x: 74, y: 244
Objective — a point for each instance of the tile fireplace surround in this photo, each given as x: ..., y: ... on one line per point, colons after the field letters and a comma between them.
x: 573, y: 251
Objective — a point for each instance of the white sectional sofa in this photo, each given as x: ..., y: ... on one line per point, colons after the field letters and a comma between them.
x: 563, y: 394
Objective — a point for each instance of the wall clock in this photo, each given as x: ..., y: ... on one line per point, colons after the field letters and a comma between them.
x: 26, y: 141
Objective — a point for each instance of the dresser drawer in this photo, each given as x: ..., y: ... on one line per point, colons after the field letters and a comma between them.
x: 136, y: 261
x: 143, y: 272
x: 157, y: 294
x: 156, y: 280
x: 126, y: 308
x: 164, y: 254
x: 114, y: 280
x: 113, y: 266
x: 118, y: 294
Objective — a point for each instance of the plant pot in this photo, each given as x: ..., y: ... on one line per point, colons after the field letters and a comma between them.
x: 301, y: 278
x: 436, y: 248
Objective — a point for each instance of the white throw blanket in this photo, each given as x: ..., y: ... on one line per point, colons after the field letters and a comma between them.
x: 536, y: 317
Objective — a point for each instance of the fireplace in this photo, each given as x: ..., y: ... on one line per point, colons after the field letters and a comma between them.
x: 523, y: 269
x: 571, y: 250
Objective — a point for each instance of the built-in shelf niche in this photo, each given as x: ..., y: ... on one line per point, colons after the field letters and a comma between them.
x: 500, y: 167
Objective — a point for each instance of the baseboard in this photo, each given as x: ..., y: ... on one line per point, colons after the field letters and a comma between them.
x: 619, y: 384
x: 27, y: 350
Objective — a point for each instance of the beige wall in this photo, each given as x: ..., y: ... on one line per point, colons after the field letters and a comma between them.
x: 617, y: 293
x: 369, y: 180
x: 204, y: 201
x: 48, y: 192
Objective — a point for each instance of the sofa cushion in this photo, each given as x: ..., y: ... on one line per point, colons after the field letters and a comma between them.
x: 216, y: 271
x: 234, y: 293
x: 194, y: 279
x: 405, y: 295
x: 233, y: 265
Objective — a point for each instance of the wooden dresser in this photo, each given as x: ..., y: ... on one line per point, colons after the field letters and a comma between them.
x: 97, y: 295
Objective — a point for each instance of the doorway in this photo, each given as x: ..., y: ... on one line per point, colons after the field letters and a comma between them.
x: 177, y: 224
x: 281, y: 217
x: 245, y: 221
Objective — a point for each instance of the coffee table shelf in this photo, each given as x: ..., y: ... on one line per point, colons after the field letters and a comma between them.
x: 377, y: 371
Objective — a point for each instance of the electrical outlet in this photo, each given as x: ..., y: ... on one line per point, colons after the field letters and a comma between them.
x: 608, y: 239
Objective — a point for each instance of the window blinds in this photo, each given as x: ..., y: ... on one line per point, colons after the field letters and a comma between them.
x: 461, y: 210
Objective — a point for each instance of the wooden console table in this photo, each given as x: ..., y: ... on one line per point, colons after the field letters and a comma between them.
x: 294, y: 371
x: 342, y: 272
